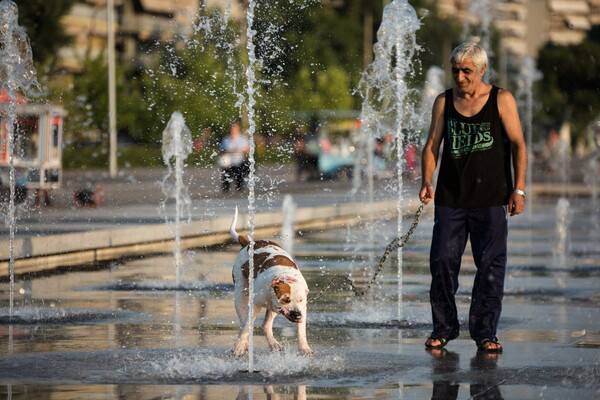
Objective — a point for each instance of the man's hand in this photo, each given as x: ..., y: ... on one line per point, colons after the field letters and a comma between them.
x: 426, y: 193
x: 516, y: 204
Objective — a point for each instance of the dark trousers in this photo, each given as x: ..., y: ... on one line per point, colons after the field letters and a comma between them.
x: 487, y: 229
x: 235, y: 173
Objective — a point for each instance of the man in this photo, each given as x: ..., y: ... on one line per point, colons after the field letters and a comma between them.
x: 234, y: 160
x: 481, y: 133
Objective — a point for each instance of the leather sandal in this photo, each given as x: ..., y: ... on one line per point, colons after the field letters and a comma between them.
x: 443, y: 342
x: 484, y: 346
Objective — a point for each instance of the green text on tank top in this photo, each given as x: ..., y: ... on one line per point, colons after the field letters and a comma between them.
x: 465, y: 133
x: 475, y: 170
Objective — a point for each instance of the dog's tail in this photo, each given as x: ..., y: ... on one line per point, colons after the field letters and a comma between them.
x: 241, y: 239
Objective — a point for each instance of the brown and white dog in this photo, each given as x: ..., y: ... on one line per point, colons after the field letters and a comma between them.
x: 279, y: 287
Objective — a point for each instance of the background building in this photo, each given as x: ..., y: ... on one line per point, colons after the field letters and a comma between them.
x: 138, y: 25
x: 526, y: 25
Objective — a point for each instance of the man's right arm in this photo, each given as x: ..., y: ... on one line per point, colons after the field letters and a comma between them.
x: 431, y: 150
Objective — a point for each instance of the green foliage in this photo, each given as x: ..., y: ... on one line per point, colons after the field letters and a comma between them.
x: 570, y: 84
x: 324, y: 90
x: 87, y: 102
x: 200, y: 76
x: 205, y: 83
x: 193, y: 83
x: 310, y: 57
x: 437, y: 36
x: 85, y: 97
x: 96, y: 156
x: 41, y: 18
x: 319, y: 57
x: 75, y: 157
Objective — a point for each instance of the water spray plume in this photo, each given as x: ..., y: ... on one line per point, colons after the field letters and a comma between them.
x: 387, y: 107
x: 17, y: 73
x: 176, y: 147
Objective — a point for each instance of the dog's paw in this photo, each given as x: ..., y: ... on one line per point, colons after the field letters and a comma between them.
x: 306, y: 351
x: 276, y: 346
x: 240, y: 349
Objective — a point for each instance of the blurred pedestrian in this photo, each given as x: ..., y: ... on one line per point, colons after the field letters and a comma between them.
x: 233, y: 161
x: 307, y: 154
x: 307, y: 162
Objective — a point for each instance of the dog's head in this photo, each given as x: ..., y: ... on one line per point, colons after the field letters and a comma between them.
x: 291, y: 295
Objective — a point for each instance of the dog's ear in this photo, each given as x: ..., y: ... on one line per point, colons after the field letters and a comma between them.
x: 275, y: 284
x: 282, y: 292
x: 276, y: 288
x: 281, y: 288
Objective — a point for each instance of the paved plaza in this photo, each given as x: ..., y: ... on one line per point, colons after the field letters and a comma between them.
x: 549, y: 327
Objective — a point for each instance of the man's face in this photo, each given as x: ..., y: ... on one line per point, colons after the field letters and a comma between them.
x: 235, y: 130
x: 466, y: 77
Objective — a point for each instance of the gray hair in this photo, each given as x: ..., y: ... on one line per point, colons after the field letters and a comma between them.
x: 471, y: 50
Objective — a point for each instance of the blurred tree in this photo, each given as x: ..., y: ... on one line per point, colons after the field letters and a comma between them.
x: 85, y: 97
x: 203, y: 76
x: 87, y: 102
x: 437, y: 36
x: 41, y: 19
x: 570, y: 84
x: 329, y: 37
x: 327, y: 43
x: 309, y: 57
x: 200, y: 77
x: 304, y: 64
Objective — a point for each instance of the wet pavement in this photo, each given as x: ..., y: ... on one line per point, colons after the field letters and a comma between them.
x: 124, y: 329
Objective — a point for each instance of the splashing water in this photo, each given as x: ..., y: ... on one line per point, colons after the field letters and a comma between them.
x: 562, y: 248
x: 434, y: 85
x: 288, y: 209
x: 176, y: 147
x: 214, y: 29
x: 17, y: 73
x: 251, y: 103
x: 216, y: 37
x: 387, y: 106
x: 527, y: 77
x: 561, y: 162
x: 482, y: 13
x: 16, y: 69
x: 591, y: 178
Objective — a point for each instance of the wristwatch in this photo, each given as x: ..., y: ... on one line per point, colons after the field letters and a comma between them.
x: 521, y: 192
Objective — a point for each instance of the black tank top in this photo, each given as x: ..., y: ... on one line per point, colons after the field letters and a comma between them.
x: 475, y: 170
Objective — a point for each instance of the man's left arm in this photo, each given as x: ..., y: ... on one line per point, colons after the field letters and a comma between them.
x: 507, y: 107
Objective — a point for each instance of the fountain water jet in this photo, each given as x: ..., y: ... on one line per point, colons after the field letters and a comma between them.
x: 384, y: 88
x: 251, y: 103
x: 481, y: 12
x: 527, y: 77
x: 177, y: 146
x: 591, y: 177
x: 17, y: 73
x: 562, y: 247
x: 434, y: 85
x: 288, y: 209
